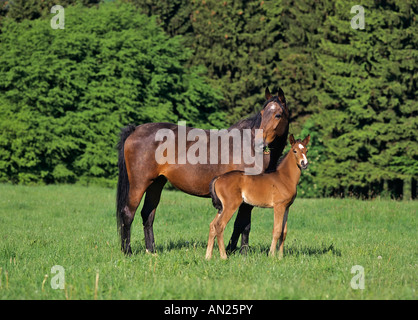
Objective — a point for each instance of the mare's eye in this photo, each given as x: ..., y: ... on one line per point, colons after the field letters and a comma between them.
x: 278, y: 116
x: 294, y: 151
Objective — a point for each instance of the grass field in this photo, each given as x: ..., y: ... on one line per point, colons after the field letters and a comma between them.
x: 74, y: 227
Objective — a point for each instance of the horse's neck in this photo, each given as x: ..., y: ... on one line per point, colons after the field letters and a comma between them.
x: 244, y: 126
x: 249, y: 123
x: 289, y: 168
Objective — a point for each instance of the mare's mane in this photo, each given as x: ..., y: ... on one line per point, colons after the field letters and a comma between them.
x: 254, y: 121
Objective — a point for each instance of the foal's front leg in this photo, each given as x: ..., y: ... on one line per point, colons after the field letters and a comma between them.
x: 279, y: 212
x: 284, y: 233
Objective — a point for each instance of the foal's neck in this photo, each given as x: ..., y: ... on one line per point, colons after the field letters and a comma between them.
x: 289, y: 168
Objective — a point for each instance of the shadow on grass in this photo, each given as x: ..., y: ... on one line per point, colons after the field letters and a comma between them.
x: 171, y: 245
x: 290, y: 250
x: 296, y: 250
x: 312, y: 250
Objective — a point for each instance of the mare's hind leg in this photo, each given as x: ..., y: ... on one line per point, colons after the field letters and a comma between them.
x: 135, y: 195
x: 152, y: 199
x: 242, y: 226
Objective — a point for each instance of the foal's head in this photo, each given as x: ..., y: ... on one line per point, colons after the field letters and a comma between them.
x: 275, y: 116
x: 299, y: 150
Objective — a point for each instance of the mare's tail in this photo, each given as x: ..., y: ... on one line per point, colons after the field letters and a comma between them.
x: 123, y: 182
x: 215, y: 200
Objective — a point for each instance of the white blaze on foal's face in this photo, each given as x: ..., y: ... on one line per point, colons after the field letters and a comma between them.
x: 304, y: 161
x: 301, y: 147
x: 300, y: 150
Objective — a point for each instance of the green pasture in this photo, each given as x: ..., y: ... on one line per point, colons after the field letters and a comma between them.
x: 74, y: 227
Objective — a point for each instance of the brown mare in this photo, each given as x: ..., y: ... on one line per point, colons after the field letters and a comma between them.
x: 268, y: 190
x: 140, y: 172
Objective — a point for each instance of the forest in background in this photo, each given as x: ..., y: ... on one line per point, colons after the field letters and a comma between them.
x: 65, y: 93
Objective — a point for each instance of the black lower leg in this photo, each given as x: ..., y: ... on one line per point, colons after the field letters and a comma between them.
x: 232, y: 244
x: 242, y: 226
x: 245, y: 237
x: 152, y: 199
x: 125, y: 232
x: 149, y: 232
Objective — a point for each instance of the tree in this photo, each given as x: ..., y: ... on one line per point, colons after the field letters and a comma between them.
x: 369, y: 99
x: 173, y: 16
x: 237, y: 42
x: 65, y: 94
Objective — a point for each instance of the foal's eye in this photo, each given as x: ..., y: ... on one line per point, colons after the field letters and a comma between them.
x: 294, y: 151
x: 278, y: 116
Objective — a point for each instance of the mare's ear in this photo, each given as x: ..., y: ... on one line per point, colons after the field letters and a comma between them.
x: 306, y: 140
x: 268, y: 94
x: 280, y: 95
x: 292, y: 139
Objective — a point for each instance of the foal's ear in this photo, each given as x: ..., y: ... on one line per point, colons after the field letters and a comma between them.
x: 268, y: 94
x: 280, y: 95
x: 292, y: 139
x: 306, y: 140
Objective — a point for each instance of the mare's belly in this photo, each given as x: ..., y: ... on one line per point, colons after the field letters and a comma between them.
x: 193, y: 179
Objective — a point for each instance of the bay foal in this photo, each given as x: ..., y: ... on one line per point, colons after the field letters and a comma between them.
x: 269, y: 190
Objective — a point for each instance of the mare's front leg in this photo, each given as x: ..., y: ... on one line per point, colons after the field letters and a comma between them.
x: 279, y: 213
x: 242, y: 226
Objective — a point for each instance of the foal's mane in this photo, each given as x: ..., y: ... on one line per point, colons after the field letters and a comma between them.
x: 284, y: 156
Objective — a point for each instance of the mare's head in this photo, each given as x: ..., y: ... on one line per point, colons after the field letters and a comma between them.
x: 274, y: 116
x: 299, y: 150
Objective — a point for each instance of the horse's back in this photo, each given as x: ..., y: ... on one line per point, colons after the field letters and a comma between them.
x: 143, y: 155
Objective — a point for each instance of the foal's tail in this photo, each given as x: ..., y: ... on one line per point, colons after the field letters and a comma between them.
x: 123, y: 182
x: 215, y: 200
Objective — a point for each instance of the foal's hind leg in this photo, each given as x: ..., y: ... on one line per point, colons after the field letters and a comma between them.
x: 152, y: 199
x: 217, y: 228
x: 212, y: 235
x: 220, y: 225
